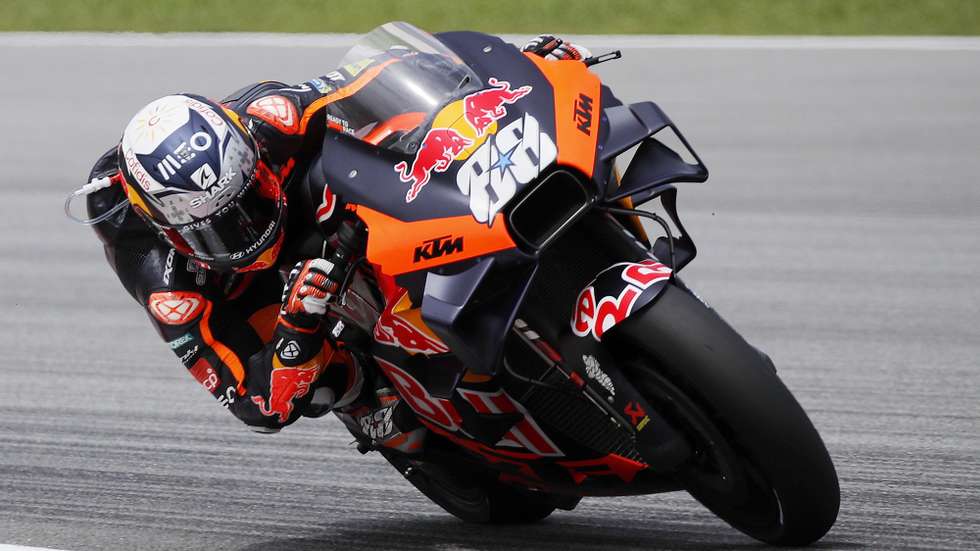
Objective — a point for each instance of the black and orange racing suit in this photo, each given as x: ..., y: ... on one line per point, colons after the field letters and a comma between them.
x: 225, y: 327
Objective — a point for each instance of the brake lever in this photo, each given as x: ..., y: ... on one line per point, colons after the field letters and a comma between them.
x: 602, y: 58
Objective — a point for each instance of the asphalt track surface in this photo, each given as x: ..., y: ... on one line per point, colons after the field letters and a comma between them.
x: 839, y: 232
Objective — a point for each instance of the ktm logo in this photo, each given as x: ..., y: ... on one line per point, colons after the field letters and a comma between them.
x: 583, y: 114
x: 440, y: 246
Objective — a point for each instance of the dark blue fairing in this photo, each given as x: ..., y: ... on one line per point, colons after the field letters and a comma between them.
x: 654, y: 164
x: 363, y: 175
x: 473, y: 311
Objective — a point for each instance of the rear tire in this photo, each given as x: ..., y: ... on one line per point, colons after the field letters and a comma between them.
x: 759, y: 464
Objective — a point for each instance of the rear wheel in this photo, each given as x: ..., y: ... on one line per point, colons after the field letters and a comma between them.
x: 759, y: 463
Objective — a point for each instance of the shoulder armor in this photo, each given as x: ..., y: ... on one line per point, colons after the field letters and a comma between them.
x: 278, y: 111
x: 176, y: 307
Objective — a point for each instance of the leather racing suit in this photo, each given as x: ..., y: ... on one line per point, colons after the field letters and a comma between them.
x: 225, y: 327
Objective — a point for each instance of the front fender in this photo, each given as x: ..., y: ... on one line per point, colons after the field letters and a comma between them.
x: 615, y: 294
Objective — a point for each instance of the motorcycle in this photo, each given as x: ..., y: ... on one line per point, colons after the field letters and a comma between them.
x: 524, y: 344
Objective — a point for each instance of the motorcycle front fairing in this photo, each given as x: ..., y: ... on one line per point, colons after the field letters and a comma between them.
x: 458, y: 259
x: 446, y: 246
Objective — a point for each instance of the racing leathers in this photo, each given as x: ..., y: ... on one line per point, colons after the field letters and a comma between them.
x: 262, y: 350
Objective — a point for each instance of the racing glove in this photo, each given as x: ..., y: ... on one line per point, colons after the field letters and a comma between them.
x: 308, y: 289
x: 552, y: 47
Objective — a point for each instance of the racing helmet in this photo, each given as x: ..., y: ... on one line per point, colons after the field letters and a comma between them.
x: 193, y: 172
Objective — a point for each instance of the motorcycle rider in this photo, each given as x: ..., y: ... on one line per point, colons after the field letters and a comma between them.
x: 192, y: 211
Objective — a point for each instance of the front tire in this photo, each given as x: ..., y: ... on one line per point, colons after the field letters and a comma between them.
x: 759, y: 464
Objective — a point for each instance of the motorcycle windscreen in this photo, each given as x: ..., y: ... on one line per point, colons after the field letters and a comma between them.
x: 405, y: 77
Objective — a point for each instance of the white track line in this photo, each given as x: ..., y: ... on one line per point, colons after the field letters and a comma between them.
x: 5, y: 547
x: 332, y: 40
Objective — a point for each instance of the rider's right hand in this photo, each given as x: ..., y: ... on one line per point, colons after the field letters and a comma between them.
x: 306, y: 294
x: 552, y: 47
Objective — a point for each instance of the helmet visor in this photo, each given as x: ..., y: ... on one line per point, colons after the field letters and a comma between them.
x: 239, y: 231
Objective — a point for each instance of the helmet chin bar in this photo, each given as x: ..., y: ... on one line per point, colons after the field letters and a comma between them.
x: 268, y: 257
x: 265, y: 260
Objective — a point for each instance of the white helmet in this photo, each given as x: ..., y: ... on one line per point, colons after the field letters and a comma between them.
x: 193, y: 172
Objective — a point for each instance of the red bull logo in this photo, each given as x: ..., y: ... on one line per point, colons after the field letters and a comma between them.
x: 438, y: 150
x: 285, y: 385
x: 393, y: 329
x: 596, y: 313
x: 486, y: 106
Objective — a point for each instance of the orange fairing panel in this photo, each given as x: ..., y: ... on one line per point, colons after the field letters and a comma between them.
x: 400, y: 247
x: 576, y: 110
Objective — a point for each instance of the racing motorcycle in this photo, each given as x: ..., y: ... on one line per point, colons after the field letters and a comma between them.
x: 524, y: 343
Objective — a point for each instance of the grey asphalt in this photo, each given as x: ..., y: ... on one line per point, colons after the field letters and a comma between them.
x: 839, y: 232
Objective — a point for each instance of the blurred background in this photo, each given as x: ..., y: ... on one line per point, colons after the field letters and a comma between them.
x: 770, y: 17
x: 838, y: 232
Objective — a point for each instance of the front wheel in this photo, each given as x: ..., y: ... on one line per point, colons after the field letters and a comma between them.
x: 759, y: 464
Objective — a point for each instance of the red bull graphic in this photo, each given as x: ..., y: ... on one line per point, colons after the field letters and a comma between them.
x: 486, y: 106
x: 525, y: 434
x: 438, y: 410
x: 285, y: 385
x: 596, y: 313
x: 438, y: 150
x: 394, y: 330
x: 645, y: 273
